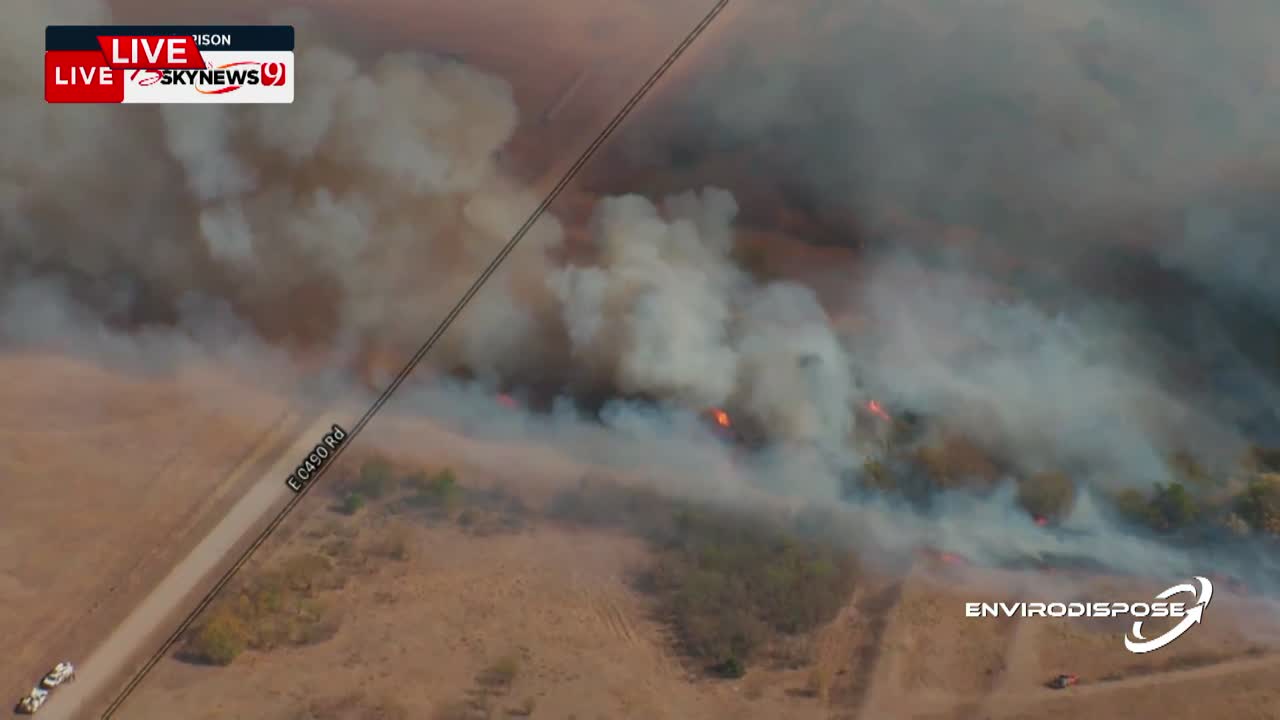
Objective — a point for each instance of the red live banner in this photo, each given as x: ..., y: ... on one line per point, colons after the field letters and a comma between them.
x: 134, y: 52
x: 168, y: 63
x: 80, y: 76
x: 87, y: 76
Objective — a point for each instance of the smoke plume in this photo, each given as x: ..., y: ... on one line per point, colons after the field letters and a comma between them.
x: 345, y: 226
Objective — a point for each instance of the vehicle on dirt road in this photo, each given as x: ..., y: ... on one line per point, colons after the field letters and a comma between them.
x: 62, y: 672
x: 1064, y: 681
x: 32, y: 702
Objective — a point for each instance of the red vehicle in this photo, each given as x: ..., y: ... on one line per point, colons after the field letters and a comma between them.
x: 1064, y: 681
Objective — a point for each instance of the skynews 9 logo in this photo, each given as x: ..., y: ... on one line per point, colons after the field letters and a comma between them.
x: 169, y: 64
x: 225, y: 78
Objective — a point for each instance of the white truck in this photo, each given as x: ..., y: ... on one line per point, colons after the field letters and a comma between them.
x: 32, y: 702
x: 62, y: 672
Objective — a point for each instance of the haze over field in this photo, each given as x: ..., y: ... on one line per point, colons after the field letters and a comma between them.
x: 1135, y: 311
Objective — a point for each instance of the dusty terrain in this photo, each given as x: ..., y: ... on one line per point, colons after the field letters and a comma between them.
x: 172, y: 597
x: 89, y: 454
x: 418, y: 635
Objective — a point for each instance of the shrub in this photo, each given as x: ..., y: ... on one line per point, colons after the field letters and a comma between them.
x: 396, y: 545
x: 1259, y: 504
x: 352, y: 503
x: 376, y: 479
x: 304, y: 572
x: 1135, y: 507
x: 730, y: 669
x: 273, y: 608
x: 1048, y: 495
x: 726, y: 583
x: 437, y: 493
x: 1172, y: 507
x: 219, y: 639
x: 957, y: 462
x: 1169, y: 507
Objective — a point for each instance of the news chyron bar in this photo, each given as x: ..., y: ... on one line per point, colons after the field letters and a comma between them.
x: 168, y: 64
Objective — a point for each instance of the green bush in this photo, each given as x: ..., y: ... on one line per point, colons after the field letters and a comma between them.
x: 440, y: 493
x: 303, y: 572
x: 727, y: 583
x: 219, y: 639
x: 376, y: 480
x: 1173, y: 507
x: 1259, y: 504
x: 273, y: 608
x: 730, y: 669
x: 1048, y: 495
x: 1168, y: 508
x: 352, y: 503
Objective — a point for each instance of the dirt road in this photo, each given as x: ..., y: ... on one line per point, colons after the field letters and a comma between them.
x: 158, y: 614
x: 1218, y: 669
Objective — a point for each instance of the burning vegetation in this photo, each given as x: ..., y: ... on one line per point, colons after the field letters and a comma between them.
x: 1020, y: 377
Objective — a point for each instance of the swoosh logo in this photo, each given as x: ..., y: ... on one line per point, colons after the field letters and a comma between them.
x: 1139, y: 644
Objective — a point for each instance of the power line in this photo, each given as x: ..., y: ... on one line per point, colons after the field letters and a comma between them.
x: 426, y: 346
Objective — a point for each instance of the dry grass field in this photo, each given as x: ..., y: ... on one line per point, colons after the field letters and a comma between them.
x: 522, y: 615
x: 105, y: 480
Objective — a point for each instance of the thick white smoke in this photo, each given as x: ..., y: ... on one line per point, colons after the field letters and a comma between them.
x: 1073, y: 390
x: 358, y: 215
x: 668, y: 313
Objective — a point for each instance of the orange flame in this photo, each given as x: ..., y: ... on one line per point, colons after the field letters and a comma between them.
x: 875, y: 408
x: 944, y: 557
x: 721, y: 417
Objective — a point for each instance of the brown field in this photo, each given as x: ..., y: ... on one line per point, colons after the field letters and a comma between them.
x: 107, y: 480
x: 417, y: 635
